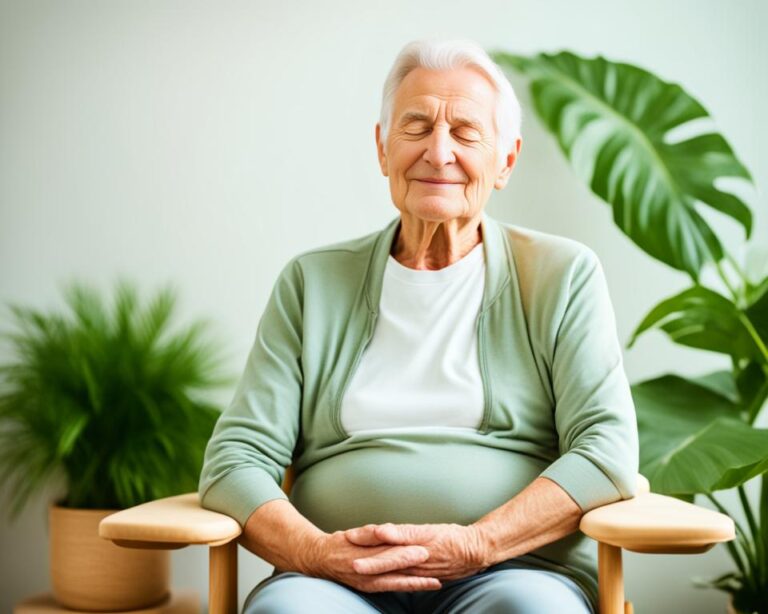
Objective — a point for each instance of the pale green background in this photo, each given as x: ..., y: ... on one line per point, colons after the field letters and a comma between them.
x: 207, y: 143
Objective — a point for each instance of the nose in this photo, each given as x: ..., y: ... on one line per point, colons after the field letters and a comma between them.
x: 439, y: 150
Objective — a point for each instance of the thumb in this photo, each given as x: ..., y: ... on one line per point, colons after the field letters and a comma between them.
x: 404, y: 533
x: 364, y: 536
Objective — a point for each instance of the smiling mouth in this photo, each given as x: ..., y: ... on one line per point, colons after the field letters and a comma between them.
x: 438, y: 182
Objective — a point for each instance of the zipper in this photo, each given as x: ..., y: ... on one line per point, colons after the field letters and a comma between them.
x: 484, y: 373
x: 372, y: 315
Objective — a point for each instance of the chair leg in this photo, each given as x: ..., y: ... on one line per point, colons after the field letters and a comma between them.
x: 222, y: 589
x: 610, y: 579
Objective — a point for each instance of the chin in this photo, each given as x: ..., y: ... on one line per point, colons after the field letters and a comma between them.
x: 436, y: 209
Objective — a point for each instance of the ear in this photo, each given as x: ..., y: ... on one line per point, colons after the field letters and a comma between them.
x: 506, y: 170
x: 380, y: 151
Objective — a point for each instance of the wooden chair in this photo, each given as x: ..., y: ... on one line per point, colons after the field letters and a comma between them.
x: 646, y: 523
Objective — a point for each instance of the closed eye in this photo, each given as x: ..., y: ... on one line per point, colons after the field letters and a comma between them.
x: 467, y: 134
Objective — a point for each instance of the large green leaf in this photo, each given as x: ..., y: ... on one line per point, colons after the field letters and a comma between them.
x: 692, y: 440
x: 701, y: 318
x: 612, y: 121
x: 721, y: 383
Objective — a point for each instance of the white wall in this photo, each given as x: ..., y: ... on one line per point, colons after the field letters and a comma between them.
x: 207, y: 143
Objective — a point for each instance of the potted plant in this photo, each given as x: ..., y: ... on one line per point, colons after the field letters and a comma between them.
x: 109, y: 401
x: 627, y: 134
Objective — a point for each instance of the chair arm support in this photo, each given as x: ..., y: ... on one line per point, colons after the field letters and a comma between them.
x: 169, y: 523
x: 657, y: 523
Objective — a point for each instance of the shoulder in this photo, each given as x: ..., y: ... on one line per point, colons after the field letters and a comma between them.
x: 361, y: 244
x: 341, y: 260
x: 545, y: 261
x: 554, y: 275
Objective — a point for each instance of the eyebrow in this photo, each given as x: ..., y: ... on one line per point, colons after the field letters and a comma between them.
x: 410, y: 116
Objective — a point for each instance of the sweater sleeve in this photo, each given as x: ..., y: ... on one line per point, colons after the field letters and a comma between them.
x: 594, y: 412
x: 253, y: 440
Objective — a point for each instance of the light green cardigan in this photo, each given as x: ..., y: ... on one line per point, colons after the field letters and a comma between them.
x: 557, y: 400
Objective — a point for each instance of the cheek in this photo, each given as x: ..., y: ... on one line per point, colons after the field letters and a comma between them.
x: 483, y: 168
x: 475, y: 168
x: 406, y: 157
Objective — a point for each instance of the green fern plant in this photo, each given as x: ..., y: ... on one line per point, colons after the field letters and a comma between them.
x: 110, y: 399
x: 620, y: 128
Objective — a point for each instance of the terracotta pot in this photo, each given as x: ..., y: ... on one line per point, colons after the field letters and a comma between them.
x: 93, y: 574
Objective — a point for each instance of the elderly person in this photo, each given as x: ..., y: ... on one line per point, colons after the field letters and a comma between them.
x: 449, y: 389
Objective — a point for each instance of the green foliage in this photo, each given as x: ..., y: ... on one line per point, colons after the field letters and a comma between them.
x: 108, y: 399
x: 610, y: 119
x: 615, y: 123
x: 683, y: 427
x: 702, y: 318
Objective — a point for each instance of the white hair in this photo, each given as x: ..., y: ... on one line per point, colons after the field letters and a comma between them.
x: 434, y: 54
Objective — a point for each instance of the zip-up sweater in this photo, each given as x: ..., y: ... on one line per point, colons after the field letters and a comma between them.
x: 557, y: 403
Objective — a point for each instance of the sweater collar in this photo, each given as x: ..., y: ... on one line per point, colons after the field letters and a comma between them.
x: 497, y: 261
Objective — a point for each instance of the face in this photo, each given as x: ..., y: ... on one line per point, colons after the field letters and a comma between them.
x: 441, y: 152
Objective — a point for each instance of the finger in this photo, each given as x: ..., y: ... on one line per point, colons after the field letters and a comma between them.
x: 390, y: 560
x: 401, y: 582
x: 442, y: 575
x: 364, y: 536
x: 418, y: 571
x: 403, y: 533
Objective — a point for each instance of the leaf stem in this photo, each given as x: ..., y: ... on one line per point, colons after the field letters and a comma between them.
x: 755, y: 530
x: 726, y: 281
x: 763, y: 511
x: 735, y: 554
x: 757, y: 403
x: 737, y: 268
x: 754, y: 334
x: 748, y: 565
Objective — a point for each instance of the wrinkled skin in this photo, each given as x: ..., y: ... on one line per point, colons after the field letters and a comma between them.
x: 455, y: 551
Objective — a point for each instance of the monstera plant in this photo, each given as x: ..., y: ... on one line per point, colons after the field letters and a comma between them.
x: 620, y: 127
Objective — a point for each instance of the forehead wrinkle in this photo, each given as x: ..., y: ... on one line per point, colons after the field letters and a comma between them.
x: 418, y: 91
x: 458, y: 118
x: 468, y: 120
x: 422, y: 99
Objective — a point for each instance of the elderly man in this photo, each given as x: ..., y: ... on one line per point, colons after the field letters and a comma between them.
x: 449, y: 390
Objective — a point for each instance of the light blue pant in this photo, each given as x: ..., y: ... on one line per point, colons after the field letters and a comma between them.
x: 500, y: 589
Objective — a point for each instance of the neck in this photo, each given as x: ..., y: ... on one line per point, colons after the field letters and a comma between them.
x: 431, y: 245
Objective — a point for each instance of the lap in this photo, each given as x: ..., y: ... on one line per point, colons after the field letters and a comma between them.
x: 508, y: 590
x: 291, y: 592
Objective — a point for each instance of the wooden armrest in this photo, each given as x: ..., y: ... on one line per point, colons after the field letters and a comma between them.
x: 173, y: 522
x: 657, y: 523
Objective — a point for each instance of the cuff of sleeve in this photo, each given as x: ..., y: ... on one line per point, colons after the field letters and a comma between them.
x: 240, y: 492
x: 584, y: 481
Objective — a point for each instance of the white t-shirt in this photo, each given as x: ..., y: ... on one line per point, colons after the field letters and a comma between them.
x: 421, y: 366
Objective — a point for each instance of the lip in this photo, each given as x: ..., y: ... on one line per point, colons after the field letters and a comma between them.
x: 438, y: 182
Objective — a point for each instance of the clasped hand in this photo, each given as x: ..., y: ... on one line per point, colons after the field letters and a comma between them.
x: 400, y: 557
